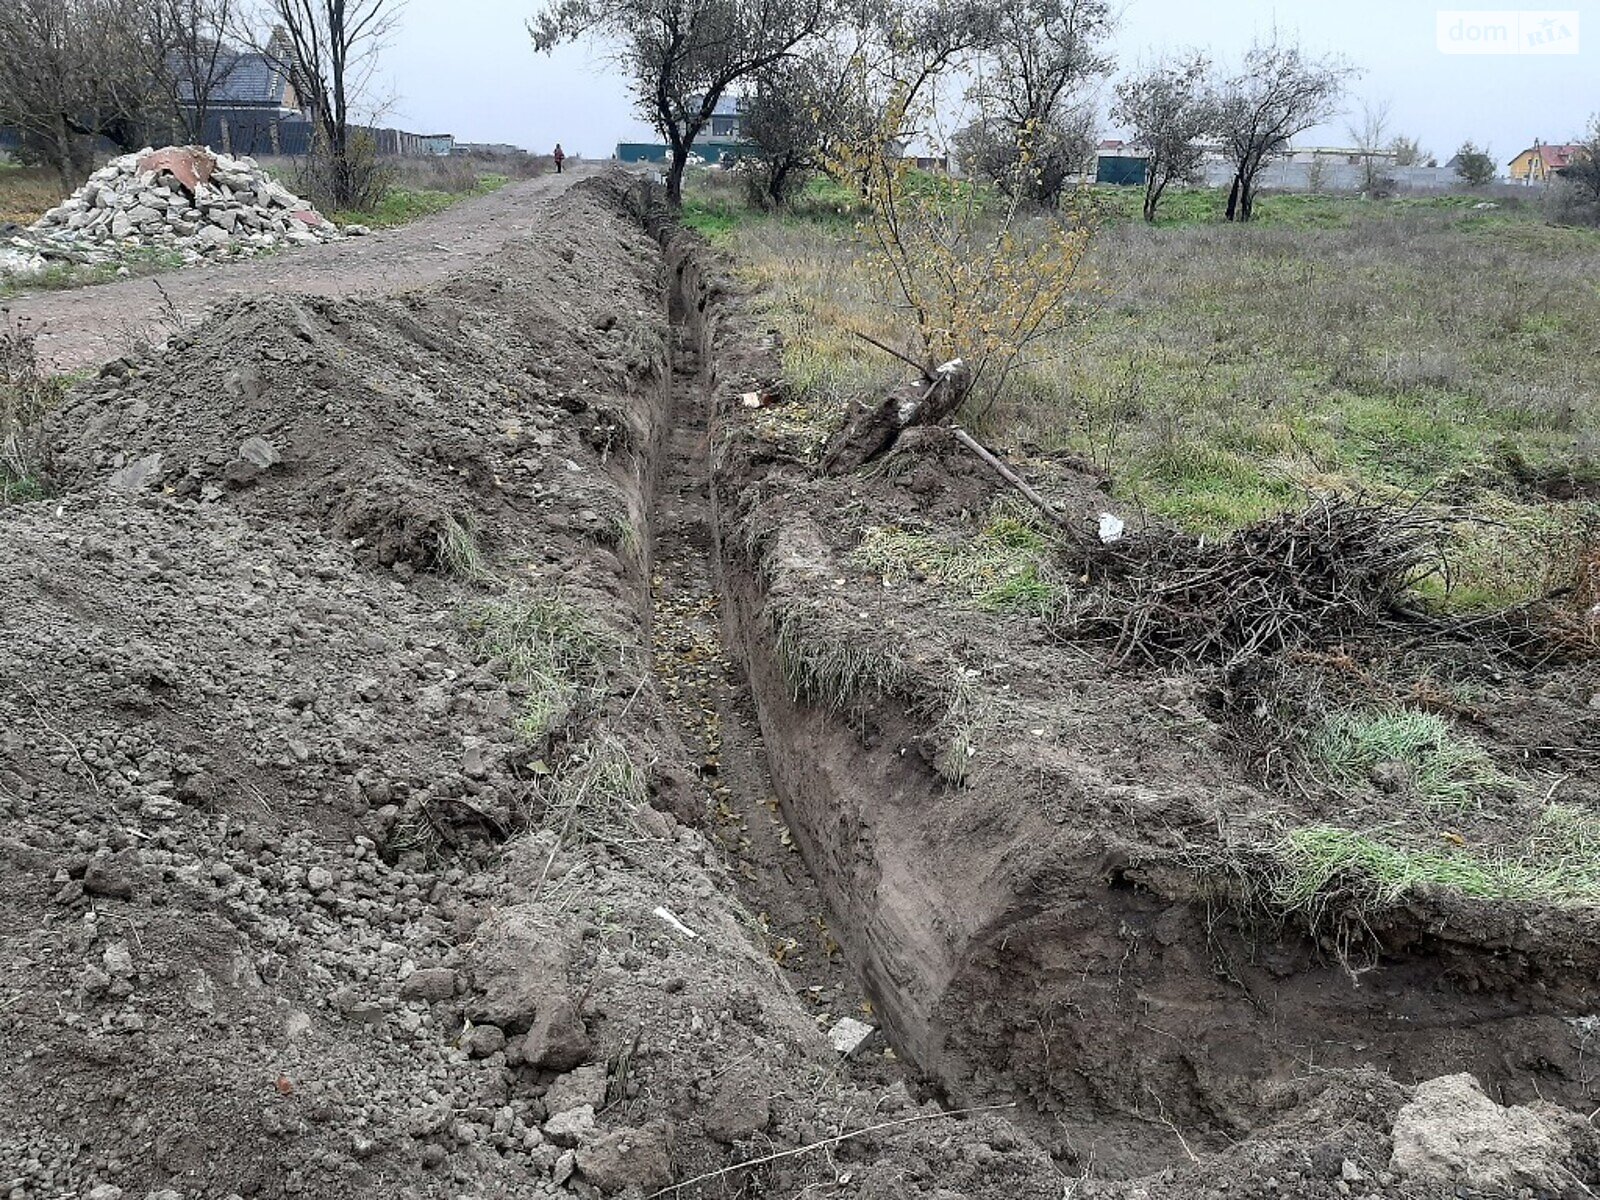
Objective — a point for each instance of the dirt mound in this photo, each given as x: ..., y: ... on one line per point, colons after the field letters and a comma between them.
x: 422, y: 430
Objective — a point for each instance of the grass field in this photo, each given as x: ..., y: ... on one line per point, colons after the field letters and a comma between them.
x: 26, y: 192
x: 1412, y: 348
x: 402, y: 205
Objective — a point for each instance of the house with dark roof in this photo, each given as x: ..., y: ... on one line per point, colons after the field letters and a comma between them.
x: 1540, y: 162
x: 251, y: 103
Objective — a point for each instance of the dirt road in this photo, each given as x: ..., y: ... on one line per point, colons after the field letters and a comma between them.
x: 81, y: 328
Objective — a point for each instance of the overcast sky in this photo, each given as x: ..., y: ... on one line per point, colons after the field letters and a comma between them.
x: 466, y: 67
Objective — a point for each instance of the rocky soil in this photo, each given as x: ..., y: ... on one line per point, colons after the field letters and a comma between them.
x: 378, y: 819
x: 180, y: 199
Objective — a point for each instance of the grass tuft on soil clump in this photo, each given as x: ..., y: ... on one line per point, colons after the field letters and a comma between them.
x: 552, y: 652
x: 1404, y: 748
x: 1325, y: 863
x: 459, y: 553
x: 1002, y: 569
x: 823, y: 667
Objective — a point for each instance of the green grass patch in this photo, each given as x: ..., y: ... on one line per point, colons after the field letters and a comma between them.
x: 714, y: 217
x: 401, y: 206
x: 19, y: 491
x: 1324, y: 861
x: 1001, y: 569
x: 135, y: 264
x: 1437, y: 765
x: 552, y: 655
x: 1208, y: 489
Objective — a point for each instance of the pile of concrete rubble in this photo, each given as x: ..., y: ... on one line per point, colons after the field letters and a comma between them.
x: 182, y: 199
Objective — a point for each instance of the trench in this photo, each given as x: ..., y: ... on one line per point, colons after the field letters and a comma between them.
x: 709, y: 702
x: 1128, y: 1017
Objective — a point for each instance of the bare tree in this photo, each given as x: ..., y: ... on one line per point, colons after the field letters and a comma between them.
x: 895, y: 57
x: 684, y: 55
x: 1039, y: 57
x: 72, y: 71
x: 331, y: 53
x: 189, y: 57
x: 1168, y: 109
x: 1408, y: 152
x: 1278, y: 94
x: 1369, y: 133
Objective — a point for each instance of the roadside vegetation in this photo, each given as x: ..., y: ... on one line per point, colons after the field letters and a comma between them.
x: 27, y: 395
x: 419, y: 187
x: 26, y: 192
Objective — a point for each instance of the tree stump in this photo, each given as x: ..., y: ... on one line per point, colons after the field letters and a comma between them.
x: 870, y: 431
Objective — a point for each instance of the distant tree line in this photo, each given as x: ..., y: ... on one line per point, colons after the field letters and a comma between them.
x: 811, y: 70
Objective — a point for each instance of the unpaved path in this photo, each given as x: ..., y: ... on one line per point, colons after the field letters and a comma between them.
x: 82, y: 327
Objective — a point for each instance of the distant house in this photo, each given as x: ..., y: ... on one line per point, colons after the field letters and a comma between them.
x: 251, y: 103
x: 727, y: 120
x: 1540, y: 163
x: 722, y: 141
x: 1119, y: 162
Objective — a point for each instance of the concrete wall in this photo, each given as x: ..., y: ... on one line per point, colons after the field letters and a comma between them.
x: 1334, y: 177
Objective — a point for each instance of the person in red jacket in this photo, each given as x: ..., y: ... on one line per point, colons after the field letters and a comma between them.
x: 560, y: 156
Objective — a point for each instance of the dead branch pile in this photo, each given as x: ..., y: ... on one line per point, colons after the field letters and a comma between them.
x: 1294, y: 581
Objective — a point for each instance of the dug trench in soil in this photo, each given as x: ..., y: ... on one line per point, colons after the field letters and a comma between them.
x: 337, y: 793
x: 1056, y: 918
x: 731, y: 796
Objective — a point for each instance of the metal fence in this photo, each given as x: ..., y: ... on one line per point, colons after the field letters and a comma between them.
x: 258, y: 133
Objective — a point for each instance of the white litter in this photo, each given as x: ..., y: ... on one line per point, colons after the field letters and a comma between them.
x: 666, y: 915
x: 1111, y: 528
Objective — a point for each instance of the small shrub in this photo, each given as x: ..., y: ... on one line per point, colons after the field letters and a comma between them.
x: 27, y: 396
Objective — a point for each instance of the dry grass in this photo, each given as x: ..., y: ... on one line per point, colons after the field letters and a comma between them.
x: 1412, y: 350
x: 26, y: 192
x: 27, y: 395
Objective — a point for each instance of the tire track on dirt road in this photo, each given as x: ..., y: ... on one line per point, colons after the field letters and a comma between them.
x: 82, y: 327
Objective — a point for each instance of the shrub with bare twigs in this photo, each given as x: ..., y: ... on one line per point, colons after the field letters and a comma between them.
x: 1295, y: 581
x: 26, y: 395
